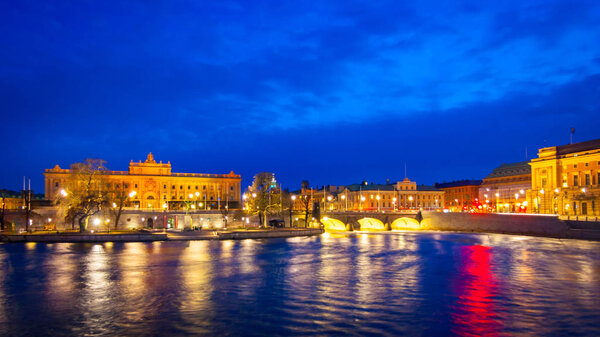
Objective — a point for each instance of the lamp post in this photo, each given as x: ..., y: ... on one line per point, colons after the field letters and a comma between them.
x: 293, y: 197
x: 410, y: 199
x: 497, y: 206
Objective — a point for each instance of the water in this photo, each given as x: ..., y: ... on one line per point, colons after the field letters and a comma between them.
x: 356, y: 284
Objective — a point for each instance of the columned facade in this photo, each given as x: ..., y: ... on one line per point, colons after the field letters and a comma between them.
x: 152, y: 185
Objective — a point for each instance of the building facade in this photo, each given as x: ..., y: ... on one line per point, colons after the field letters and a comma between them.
x: 401, y: 196
x: 461, y: 195
x: 565, y: 179
x: 504, y: 190
x: 153, y: 185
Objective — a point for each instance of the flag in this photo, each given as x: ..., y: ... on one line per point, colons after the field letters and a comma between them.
x: 572, y: 130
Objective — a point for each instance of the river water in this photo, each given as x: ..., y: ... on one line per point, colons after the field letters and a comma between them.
x: 352, y: 284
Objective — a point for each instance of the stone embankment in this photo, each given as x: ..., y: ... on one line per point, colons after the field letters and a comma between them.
x: 161, y: 236
x: 77, y: 237
x: 521, y: 224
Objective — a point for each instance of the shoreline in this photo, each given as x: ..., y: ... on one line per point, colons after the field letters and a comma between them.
x: 157, y: 236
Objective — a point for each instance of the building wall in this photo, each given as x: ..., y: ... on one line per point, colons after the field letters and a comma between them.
x: 565, y: 181
x: 458, y: 197
x: 506, y: 196
x: 156, y: 186
x: 401, y: 196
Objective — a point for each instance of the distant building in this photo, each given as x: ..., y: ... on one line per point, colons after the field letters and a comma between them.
x: 403, y: 195
x: 157, y: 187
x: 504, y: 190
x: 566, y: 179
x: 461, y: 195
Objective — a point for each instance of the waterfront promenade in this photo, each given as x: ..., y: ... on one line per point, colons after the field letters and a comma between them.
x: 142, y: 236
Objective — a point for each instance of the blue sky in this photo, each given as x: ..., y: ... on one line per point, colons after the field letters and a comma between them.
x: 331, y: 91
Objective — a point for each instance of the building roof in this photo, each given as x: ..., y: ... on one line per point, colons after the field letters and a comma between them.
x: 425, y: 188
x: 458, y: 183
x: 370, y: 187
x: 507, y: 170
x: 578, y: 147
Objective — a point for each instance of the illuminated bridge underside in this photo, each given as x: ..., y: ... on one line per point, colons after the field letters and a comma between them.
x: 367, y: 221
x: 405, y: 223
x: 371, y: 224
x: 333, y: 224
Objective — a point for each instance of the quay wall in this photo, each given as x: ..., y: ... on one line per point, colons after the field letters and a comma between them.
x: 238, y: 235
x: 84, y: 237
x: 526, y: 224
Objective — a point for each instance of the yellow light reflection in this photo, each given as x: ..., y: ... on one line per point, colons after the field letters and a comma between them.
x: 196, y: 273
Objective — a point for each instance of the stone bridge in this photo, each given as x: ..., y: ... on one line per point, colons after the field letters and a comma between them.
x: 369, y: 220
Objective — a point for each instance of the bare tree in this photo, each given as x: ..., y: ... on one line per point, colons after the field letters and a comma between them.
x: 306, y: 201
x: 118, y: 198
x: 84, y: 196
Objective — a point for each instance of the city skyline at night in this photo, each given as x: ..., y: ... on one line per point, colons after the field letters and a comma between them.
x: 449, y: 90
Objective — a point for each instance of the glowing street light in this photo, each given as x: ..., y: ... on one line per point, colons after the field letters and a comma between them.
x: 63, y: 193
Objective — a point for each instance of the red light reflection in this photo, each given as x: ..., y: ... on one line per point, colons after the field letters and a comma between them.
x: 475, y: 315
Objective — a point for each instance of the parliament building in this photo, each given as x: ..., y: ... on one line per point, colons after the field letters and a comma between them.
x: 152, y: 185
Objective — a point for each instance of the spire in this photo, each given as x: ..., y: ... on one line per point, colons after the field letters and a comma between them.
x: 150, y: 159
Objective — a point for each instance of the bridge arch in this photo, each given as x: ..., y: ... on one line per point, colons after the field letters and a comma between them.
x: 371, y: 224
x: 405, y: 223
x: 333, y: 224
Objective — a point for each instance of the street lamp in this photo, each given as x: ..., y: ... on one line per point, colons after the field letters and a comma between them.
x: 410, y: 199
x: 132, y: 194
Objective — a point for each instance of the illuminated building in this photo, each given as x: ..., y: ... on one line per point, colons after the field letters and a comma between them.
x: 566, y: 179
x: 403, y: 195
x: 461, y: 195
x: 152, y: 185
x: 504, y: 190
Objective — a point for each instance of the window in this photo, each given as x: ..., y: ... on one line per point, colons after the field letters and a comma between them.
x: 204, y: 188
x: 165, y: 186
x: 118, y: 185
x: 231, y: 188
x: 196, y: 187
x: 212, y: 198
x: 575, y: 180
x: 135, y: 185
x: 180, y: 187
x: 587, y: 179
x: 574, y: 165
x: 587, y: 164
x: 189, y: 187
x: 56, y: 184
x: 124, y: 185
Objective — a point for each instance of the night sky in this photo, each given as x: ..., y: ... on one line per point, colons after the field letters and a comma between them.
x: 331, y: 91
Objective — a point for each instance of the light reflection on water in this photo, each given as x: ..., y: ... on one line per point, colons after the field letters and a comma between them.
x: 361, y: 283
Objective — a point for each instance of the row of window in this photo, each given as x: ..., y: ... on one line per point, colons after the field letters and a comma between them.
x: 586, y: 181
x: 586, y: 165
